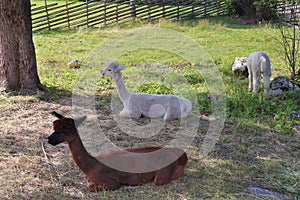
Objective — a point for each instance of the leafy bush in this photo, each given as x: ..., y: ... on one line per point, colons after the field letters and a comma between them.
x: 154, y: 88
x: 256, y: 10
x: 254, y: 108
x: 193, y: 77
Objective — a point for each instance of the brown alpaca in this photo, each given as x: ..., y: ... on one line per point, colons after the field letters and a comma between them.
x: 103, y: 177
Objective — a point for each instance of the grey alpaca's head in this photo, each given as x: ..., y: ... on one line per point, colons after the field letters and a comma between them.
x: 111, y: 69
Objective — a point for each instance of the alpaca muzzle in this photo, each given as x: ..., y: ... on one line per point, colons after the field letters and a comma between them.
x: 55, y: 138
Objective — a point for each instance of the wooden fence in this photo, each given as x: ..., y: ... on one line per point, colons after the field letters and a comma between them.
x: 290, y: 13
x: 70, y: 14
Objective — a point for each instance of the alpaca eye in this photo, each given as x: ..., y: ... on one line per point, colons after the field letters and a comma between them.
x: 109, y: 70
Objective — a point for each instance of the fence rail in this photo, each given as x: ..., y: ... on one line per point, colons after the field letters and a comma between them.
x: 72, y: 14
x: 290, y: 13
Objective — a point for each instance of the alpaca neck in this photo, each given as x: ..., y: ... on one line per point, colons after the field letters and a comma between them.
x: 81, y: 157
x: 121, y: 89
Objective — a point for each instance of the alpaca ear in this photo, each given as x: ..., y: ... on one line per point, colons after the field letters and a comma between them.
x: 59, y: 116
x: 80, y: 120
x: 119, y: 68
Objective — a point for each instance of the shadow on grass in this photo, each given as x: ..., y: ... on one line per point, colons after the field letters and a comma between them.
x: 44, y: 93
x: 51, y: 93
x: 227, y: 21
x: 258, y: 157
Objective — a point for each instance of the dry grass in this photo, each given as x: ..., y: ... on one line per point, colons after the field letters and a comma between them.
x: 32, y: 169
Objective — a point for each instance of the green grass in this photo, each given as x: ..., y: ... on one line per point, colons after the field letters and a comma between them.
x: 223, y: 39
x: 257, y: 146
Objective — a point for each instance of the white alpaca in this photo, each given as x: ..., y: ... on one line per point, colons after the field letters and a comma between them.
x: 148, y: 105
x: 259, y: 64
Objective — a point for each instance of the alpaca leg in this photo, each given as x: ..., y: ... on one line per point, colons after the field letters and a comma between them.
x: 185, y: 107
x: 167, y: 116
x: 266, y: 80
x: 250, y: 77
x: 178, y: 172
x: 135, y: 113
x: 156, y: 111
x: 92, y: 187
x: 173, y: 109
x: 124, y: 113
x: 184, y: 111
x: 133, y: 109
x: 164, y: 175
x: 256, y: 78
x: 172, y: 114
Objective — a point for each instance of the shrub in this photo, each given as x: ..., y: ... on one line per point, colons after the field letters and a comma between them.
x: 256, y: 10
x: 154, y: 88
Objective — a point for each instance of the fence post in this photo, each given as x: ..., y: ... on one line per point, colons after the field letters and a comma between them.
x: 193, y: 8
x: 178, y: 9
x: 219, y: 7
x: 67, y: 12
x: 132, y: 9
x: 104, y: 13
x: 164, y: 8
x: 87, y: 12
x: 117, y: 11
x: 149, y: 10
x: 47, y: 14
x: 205, y: 7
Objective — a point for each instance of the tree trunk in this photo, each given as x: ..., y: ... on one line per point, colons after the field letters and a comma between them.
x: 18, y: 69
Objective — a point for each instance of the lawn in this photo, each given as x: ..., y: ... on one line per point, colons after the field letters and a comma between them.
x: 255, y: 147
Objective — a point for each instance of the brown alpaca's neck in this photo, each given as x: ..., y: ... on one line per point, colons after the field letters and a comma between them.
x: 122, y: 91
x: 81, y: 157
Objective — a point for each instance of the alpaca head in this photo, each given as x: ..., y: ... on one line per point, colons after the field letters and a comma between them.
x: 112, y: 69
x: 64, y: 129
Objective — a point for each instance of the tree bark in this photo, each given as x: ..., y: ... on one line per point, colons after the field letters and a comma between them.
x: 18, y: 69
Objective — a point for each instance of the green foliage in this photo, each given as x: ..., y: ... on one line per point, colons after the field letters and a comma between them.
x: 154, y: 88
x: 193, y: 77
x: 254, y: 9
x: 282, y: 122
x: 267, y: 9
x: 255, y: 108
x: 204, y: 103
x: 104, y: 84
x: 231, y: 8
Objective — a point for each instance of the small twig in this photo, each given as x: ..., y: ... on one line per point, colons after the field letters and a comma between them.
x: 45, y: 154
x: 51, y: 166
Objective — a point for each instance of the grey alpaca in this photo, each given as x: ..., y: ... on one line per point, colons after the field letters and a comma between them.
x: 259, y: 64
x: 137, y: 105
